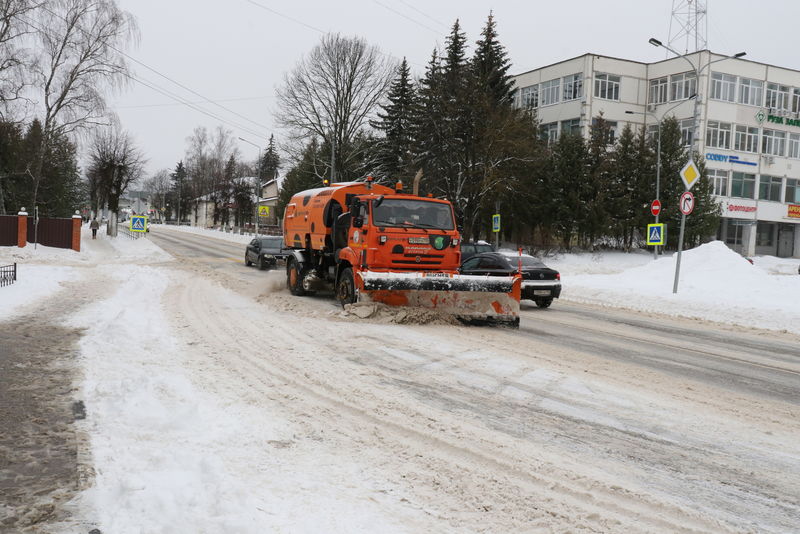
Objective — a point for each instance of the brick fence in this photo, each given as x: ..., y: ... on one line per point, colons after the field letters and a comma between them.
x: 20, y: 230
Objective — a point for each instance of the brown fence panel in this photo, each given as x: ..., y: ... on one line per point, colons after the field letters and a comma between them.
x: 52, y: 232
x: 8, y: 230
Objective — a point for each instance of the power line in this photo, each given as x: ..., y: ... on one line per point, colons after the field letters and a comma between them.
x: 140, y: 106
x: 287, y: 17
x: 406, y: 17
x: 440, y: 23
x: 166, y: 92
x: 182, y: 86
x: 314, y: 28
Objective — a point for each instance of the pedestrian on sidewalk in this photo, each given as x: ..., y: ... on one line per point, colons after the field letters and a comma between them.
x: 94, y: 225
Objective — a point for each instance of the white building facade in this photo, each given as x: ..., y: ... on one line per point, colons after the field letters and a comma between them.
x: 748, y: 130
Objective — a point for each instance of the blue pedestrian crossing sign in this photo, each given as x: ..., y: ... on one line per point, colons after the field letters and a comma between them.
x: 496, y: 222
x: 656, y: 234
x: 138, y: 223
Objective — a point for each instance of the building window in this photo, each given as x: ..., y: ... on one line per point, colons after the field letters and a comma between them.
x: 549, y: 132
x: 530, y: 96
x: 682, y: 86
x: 573, y: 87
x: 658, y: 90
x: 719, y: 179
x: 794, y: 146
x: 736, y: 231
x: 549, y: 92
x: 718, y: 135
x: 746, y: 139
x: 720, y: 182
x: 765, y: 234
x: 773, y: 142
x: 792, y: 195
x: 743, y: 185
x: 687, y: 126
x: 723, y: 87
x: 796, y: 100
x: 750, y: 92
x: 769, y: 188
x: 606, y: 86
x: 571, y: 127
x: 777, y: 97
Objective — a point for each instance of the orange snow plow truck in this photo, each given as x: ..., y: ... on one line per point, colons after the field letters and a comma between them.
x: 372, y: 243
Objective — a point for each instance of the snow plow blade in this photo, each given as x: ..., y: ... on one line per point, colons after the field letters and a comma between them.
x: 472, y: 299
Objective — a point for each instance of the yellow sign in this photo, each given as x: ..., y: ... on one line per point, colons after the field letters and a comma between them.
x: 690, y: 174
x: 794, y: 211
x: 263, y: 210
x: 138, y: 223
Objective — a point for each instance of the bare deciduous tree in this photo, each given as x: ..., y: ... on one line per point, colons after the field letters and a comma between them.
x: 115, y: 162
x: 159, y: 186
x: 14, y: 57
x: 332, y: 93
x: 81, y: 42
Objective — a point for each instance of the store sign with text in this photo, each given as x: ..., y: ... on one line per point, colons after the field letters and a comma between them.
x: 728, y: 159
x: 741, y: 208
x: 793, y: 211
x: 777, y: 119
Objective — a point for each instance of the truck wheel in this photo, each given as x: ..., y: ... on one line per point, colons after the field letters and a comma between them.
x: 544, y: 303
x: 294, y: 278
x: 346, y: 287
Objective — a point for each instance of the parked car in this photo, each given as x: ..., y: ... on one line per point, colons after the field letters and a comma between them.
x: 469, y: 249
x: 539, y: 283
x: 265, y: 252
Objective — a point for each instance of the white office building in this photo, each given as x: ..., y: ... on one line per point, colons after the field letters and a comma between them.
x: 749, y: 128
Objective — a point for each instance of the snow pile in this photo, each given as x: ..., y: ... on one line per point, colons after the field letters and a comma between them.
x: 773, y: 265
x: 610, y: 262
x: 715, y: 284
x: 383, y: 314
x: 34, y: 282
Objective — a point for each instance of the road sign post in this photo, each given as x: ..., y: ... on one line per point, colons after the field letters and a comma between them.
x: 655, y: 209
x: 496, y: 230
x: 689, y: 174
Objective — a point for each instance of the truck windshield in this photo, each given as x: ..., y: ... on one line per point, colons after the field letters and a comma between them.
x: 413, y: 213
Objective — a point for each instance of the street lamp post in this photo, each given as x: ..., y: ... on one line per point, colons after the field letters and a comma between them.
x: 692, y: 135
x: 258, y: 179
x: 658, y: 155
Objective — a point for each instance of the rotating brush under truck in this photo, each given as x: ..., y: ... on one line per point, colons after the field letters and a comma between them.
x: 372, y: 243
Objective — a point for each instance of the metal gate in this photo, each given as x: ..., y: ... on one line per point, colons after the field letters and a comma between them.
x: 8, y: 230
x: 51, y: 232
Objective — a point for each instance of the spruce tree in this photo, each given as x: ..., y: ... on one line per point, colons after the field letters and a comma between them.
x: 394, y: 150
x: 703, y: 222
x: 491, y: 65
x: 180, y: 191
x: 569, y: 163
x: 270, y: 162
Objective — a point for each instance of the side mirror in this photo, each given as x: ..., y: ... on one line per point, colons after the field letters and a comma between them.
x: 358, y: 222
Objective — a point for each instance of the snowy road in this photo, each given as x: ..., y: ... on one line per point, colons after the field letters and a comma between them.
x: 584, y: 420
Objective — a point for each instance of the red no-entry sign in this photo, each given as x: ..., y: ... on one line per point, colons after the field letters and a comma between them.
x: 655, y: 207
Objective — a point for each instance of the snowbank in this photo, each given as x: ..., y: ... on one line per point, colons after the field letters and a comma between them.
x: 716, y: 284
x: 226, y: 236
x: 34, y: 282
x: 42, y: 270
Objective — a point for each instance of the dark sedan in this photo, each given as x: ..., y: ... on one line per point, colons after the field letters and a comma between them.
x: 540, y: 283
x: 265, y: 252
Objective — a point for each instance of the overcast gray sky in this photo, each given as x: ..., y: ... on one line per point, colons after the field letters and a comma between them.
x: 237, y: 51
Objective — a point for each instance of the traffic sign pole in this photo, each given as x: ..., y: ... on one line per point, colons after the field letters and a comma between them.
x: 678, y: 260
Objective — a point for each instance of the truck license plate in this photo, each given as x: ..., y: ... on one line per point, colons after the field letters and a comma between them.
x: 541, y: 292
